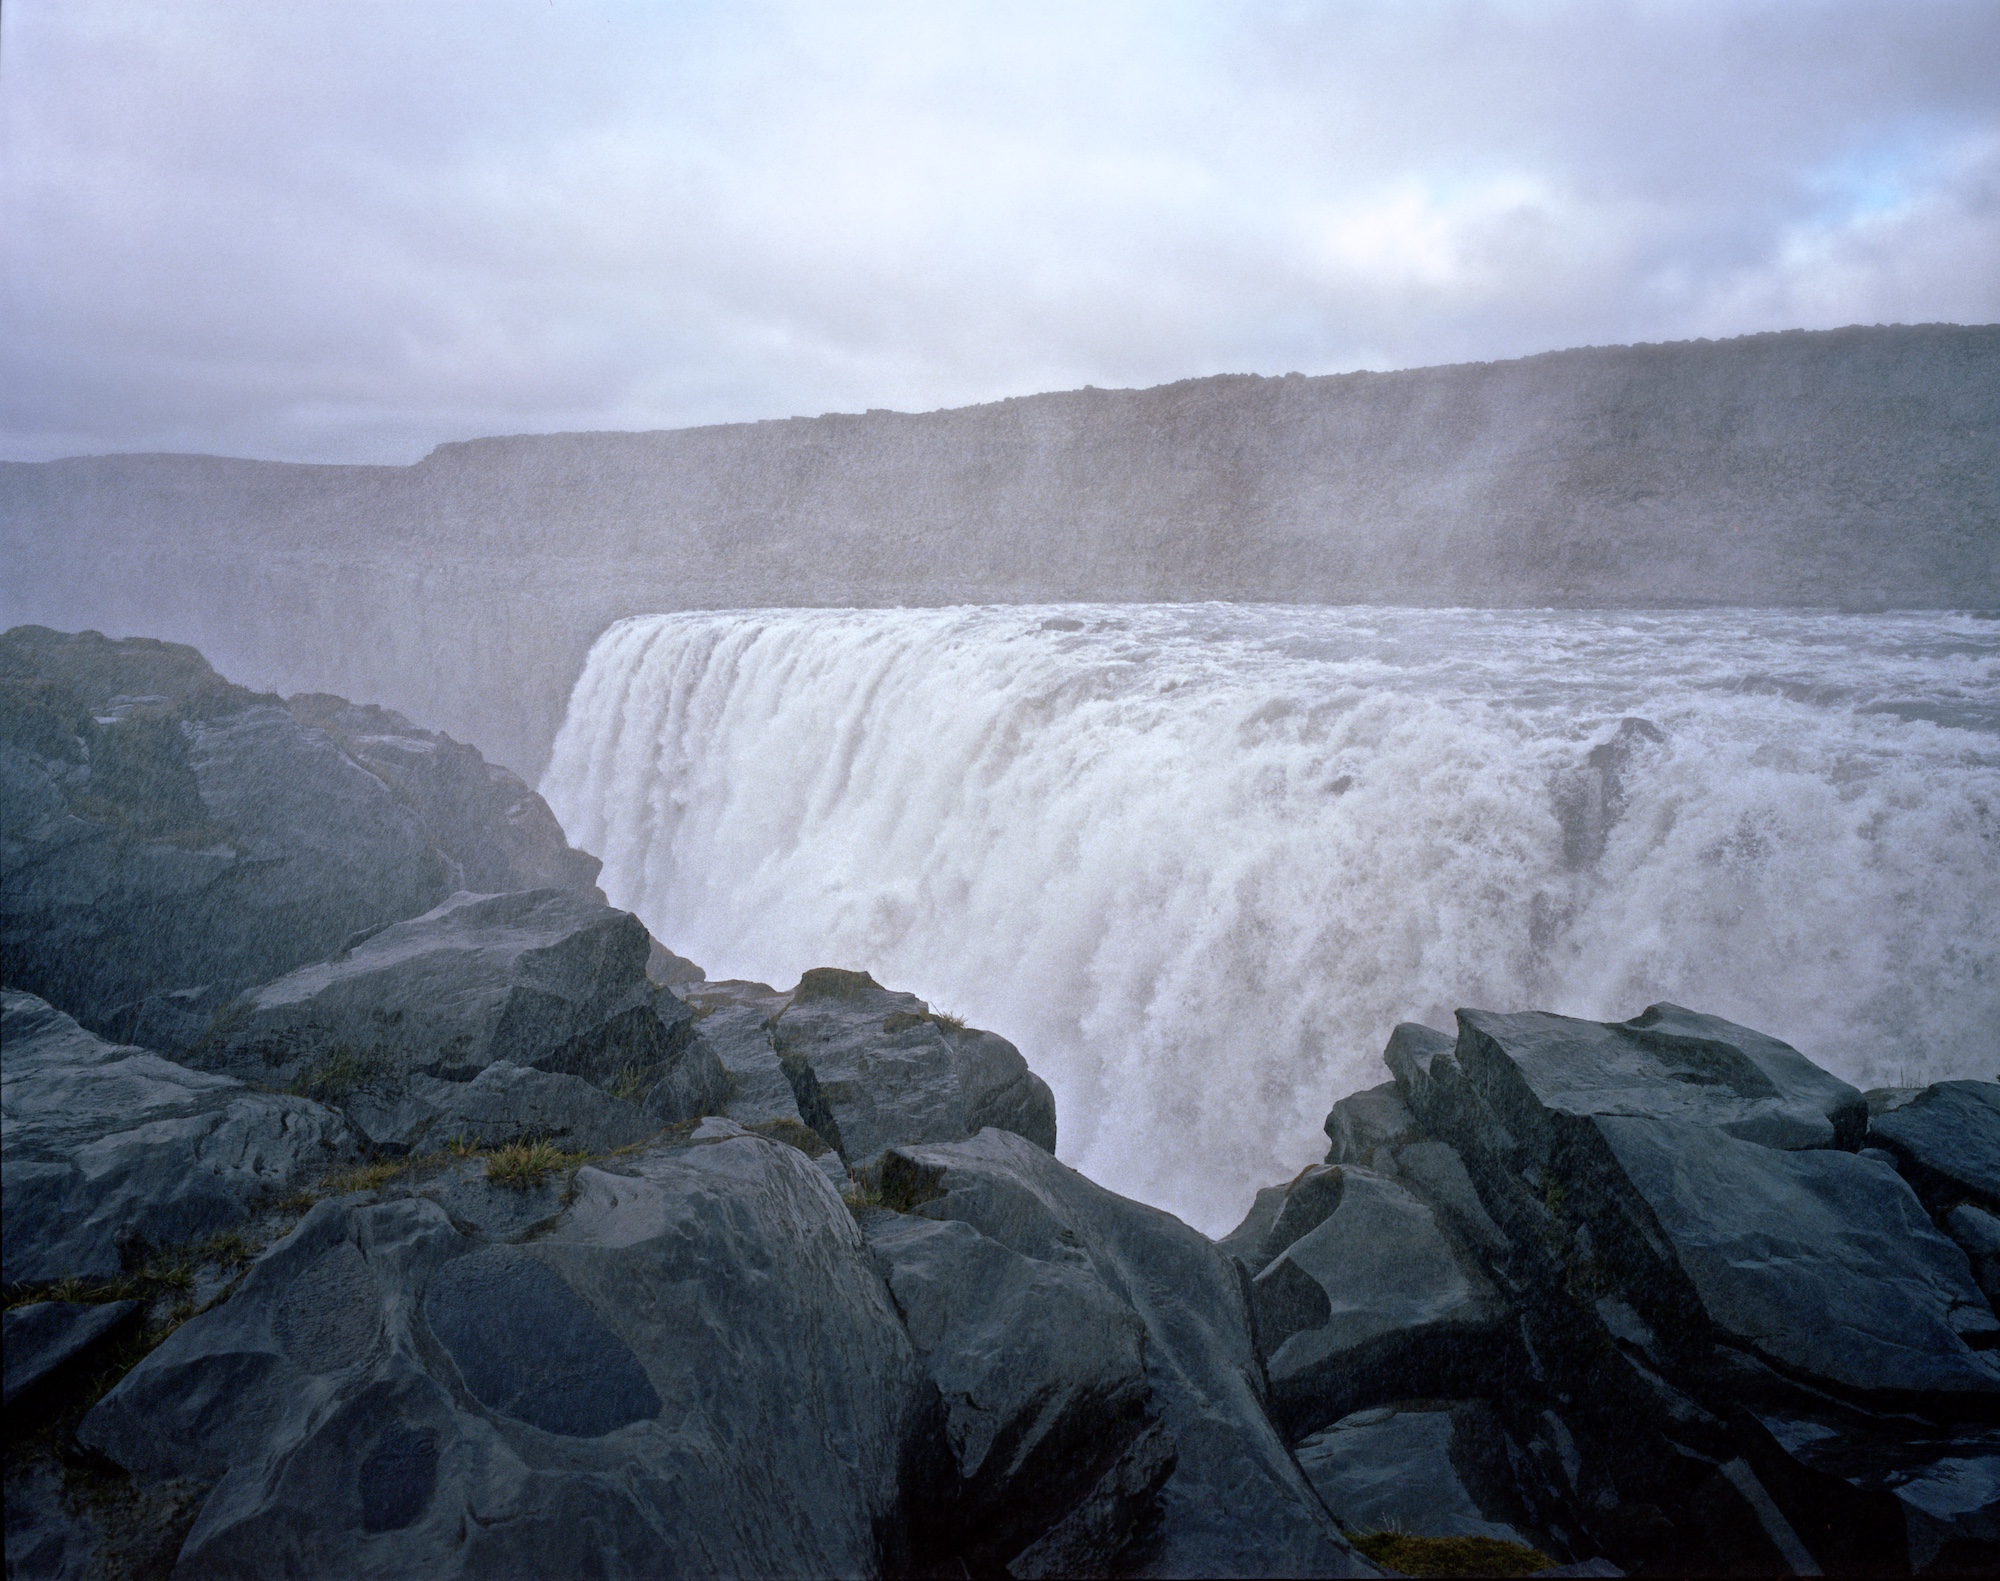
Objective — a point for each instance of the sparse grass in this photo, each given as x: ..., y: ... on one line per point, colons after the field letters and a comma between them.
x: 459, y: 1147
x: 631, y: 1083
x: 949, y: 1022
x: 334, y: 1079
x: 369, y: 1177
x: 296, y: 1204
x: 525, y: 1164
x: 1451, y: 1556
x: 75, y: 1291
x: 793, y: 1134
x: 229, y: 1249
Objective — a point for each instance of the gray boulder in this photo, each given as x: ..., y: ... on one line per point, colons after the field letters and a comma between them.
x: 548, y: 978
x: 1363, y: 1122
x: 504, y: 1103
x: 167, y: 838
x: 1281, y: 1214
x: 1945, y: 1138
x: 1372, y: 1300
x: 1665, y: 1203
x: 1040, y: 1369
x: 1246, y: 1242
x: 884, y: 1070
x: 734, y: 1020
x: 1429, y: 1469
x: 494, y: 831
x: 664, y: 969
x: 1978, y: 1235
x: 109, y: 1148
x: 1763, y: 1246
x: 1882, y: 1497
x: 46, y: 1339
x: 1111, y: 1519
x: 1234, y: 1502
x: 687, y: 1367
x: 1667, y: 1064
x: 1688, y: 1162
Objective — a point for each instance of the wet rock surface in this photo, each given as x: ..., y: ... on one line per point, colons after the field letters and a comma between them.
x: 551, y: 979
x: 1234, y: 1501
x: 580, y: 1264
x: 504, y: 1103
x: 110, y: 1150
x: 168, y: 838
x: 694, y: 1363
x: 1735, y: 1320
x: 1373, y: 1299
x: 1441, y: 1468
x: 876, y: 1067
x: 1946, y: 1138
x: 44, y: 1339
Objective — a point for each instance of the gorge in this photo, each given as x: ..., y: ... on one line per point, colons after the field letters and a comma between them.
x: 1855, y: 468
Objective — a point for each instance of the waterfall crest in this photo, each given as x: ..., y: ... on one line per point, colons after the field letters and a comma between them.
x: 1197, y: 860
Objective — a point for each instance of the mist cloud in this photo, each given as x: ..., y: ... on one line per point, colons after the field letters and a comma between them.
x: 350, y: 232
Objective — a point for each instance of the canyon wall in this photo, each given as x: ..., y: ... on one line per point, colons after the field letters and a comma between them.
x: 1856, y: 467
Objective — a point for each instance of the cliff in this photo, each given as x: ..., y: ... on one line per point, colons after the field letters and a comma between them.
x: 1856, y: 467
x: 493, y: 1240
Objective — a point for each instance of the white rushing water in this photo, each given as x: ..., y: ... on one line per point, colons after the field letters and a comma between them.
x: 1197, y: 860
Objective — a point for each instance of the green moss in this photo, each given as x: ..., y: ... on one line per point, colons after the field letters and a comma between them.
x: 1451, y: 1556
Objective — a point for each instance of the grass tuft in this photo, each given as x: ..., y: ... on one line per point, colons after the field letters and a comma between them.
x: 1451, y: 1556
x: 948, y: 1021
x: 229, y: 1249
x: 525, y: 1164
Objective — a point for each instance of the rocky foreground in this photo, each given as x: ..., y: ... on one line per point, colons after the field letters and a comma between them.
x: 381, y: 1202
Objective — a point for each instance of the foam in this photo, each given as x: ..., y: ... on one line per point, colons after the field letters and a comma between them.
x: 1197, y: 860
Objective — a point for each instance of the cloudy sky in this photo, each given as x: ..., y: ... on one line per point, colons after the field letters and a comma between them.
x: 350, y: 229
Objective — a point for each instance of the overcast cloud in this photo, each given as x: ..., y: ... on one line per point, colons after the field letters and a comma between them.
x: 348, y: 231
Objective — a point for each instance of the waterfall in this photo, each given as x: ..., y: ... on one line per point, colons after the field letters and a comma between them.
x: 1197, y: 860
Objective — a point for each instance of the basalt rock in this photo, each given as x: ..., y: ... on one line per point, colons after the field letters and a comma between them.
x: 1822, y: 1263
x: 1439, y: 1468
x: 1945, y: 1139
x: 504, y: 1103
x: 1039, y: 1369
x: 1739, y: 1345
x: 168, y: 838
x: 871, y: 1068
x: 110, y: 1150
x: 1366, y: 1297
x: 44, y: 1340
x: 687, y: 1367
x: 735, y: 1023
x: 552, y: 979
x: 1232, y: 1501
x: 495, y: 832
x: 1539, y: 1071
